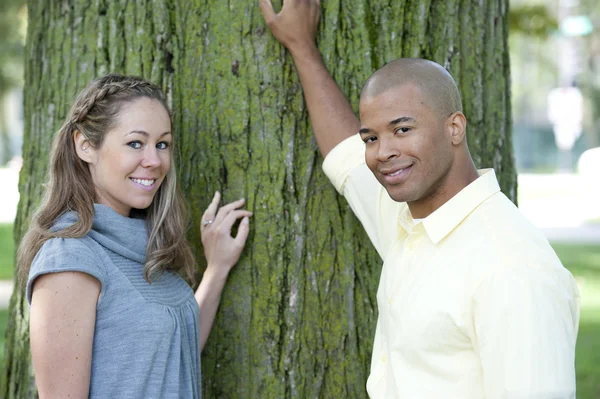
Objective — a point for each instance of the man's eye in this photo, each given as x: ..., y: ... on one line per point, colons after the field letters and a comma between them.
x: 370, y: 139
x: 402, y: 130
x: 135, y: 144
x: 163, y: 145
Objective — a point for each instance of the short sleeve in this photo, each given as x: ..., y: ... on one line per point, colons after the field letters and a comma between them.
x: 526, y: 321
x: 343, y: 159
x: 65, y: 255
x: 346, y: 169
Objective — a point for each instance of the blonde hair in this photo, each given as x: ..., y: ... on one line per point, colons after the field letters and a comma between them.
x: 70, y: 186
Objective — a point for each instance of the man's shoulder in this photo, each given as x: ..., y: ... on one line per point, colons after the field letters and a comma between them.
x: 501, y: 235
x: 499, y: 217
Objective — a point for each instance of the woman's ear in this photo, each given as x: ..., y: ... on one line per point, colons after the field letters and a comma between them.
x: 83, y: 148
x: 456, y: 126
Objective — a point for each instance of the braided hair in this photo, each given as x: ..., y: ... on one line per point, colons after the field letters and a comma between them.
x: 70, y: 186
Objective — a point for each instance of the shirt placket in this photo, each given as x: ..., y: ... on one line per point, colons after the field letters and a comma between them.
x: 401, y: 280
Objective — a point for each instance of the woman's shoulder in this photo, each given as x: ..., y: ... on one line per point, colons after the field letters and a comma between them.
x: 67, y: 249
x: 67, y: 255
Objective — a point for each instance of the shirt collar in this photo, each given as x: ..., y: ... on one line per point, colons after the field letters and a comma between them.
x: 447, y: 217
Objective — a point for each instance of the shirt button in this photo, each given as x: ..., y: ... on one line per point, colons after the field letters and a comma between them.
x: 389, y: 300
x: 383, y: 359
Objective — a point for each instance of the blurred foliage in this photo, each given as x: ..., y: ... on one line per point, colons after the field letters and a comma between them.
x: 532, y: 20
x: 12, y: 48
x: 11, y: 44
x: 591, y: 77
x: 591, y: 8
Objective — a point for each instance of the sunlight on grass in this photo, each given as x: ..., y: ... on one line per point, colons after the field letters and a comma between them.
x: 584, y: 262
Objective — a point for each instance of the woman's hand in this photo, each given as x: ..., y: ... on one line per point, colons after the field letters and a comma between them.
x: 222, y: 251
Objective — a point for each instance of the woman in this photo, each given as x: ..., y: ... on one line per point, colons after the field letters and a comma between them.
x: 110, y: 315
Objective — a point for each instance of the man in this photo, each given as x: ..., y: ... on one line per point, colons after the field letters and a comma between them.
x: 472, y: 300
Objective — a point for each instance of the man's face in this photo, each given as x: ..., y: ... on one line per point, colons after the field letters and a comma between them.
x: 407, y: 146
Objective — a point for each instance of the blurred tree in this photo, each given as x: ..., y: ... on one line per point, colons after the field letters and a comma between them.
x: 299, y: 310
x: 532, y: 20
x: 11, y: 64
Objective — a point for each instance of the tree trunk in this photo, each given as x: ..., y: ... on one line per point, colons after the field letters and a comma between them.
x: 298, y: 312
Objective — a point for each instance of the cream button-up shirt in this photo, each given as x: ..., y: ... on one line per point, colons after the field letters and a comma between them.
x: 473, y: 302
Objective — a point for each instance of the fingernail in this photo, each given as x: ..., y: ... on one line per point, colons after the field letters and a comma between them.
x: 246, y: 220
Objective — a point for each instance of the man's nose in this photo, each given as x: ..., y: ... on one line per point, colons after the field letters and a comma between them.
x: 388, y: 148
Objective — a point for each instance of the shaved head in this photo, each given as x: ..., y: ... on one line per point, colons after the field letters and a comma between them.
x: 436, y: 84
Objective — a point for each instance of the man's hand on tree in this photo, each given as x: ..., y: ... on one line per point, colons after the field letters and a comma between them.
x: 295, y: 26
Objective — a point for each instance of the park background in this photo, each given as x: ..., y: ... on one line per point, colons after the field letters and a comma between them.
x: 552, y: 43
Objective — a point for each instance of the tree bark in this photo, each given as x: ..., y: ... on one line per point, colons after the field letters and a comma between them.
x: 298, y: 313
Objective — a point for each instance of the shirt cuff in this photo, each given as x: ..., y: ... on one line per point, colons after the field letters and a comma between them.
x: 342, y: 159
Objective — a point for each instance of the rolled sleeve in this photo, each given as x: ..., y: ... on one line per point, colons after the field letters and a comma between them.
x: 526, y: 325
x: 342, y: 159
x: 346, y: 169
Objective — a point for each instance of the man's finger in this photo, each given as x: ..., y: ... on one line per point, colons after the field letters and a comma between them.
x: 266, y: 8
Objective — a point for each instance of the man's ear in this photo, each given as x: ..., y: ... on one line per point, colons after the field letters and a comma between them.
x: 83, y: 148
x: 456, y: 127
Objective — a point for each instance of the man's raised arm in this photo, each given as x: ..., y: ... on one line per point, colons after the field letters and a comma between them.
x: 331, y: 115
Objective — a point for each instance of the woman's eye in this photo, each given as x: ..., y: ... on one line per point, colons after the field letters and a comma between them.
x: 163, y: 145
x: 136, y: 145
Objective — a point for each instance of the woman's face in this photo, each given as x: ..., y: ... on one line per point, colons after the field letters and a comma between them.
x: 134, y: 158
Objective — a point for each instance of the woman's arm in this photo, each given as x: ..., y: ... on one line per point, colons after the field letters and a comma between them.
x: 222, y: 251
x: 62, y: 322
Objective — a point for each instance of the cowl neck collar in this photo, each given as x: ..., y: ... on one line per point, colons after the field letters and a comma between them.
x: 126, y: 236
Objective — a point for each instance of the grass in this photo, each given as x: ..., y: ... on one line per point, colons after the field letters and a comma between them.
x: 582, y: 260
x: 7, y: 252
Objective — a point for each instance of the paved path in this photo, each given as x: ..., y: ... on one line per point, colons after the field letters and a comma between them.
x: 9, y: 197
x: 6, y: 289
x: 560, y: 200
x: 565, y: 206
x: 576, y: 235
x: 9, y: 182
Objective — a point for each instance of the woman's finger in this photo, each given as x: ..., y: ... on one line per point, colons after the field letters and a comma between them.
x: 209, y: 214
x: 242, y: 235
x: 225, y: 209
x: 226, y: 224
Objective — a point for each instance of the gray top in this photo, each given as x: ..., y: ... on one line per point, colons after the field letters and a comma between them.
x: 147, y: 336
